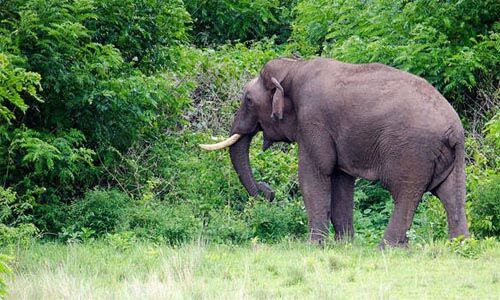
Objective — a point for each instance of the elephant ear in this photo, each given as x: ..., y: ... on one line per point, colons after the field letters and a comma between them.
x: 278, y: 100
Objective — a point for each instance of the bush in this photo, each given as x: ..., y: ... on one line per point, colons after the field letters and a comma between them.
x: 483, y: 180
x: 121, y: 241
x: 173, y: 224
x: 484, y: 207
x: 100, y: 211
x: 141, y: 30
x: 430, y: 222
x: 14, y: 83
x: 374, y: 207
x: 218, y: 21
x: 5, y: 272
x: 122, y: 110
x: 271, y: 222
x: 73, y: 96
x: 19, y: 235
x: 221, y: 76
x: 227, y: 226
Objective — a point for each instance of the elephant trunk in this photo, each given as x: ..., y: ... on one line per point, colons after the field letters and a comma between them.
x: 240, y: 158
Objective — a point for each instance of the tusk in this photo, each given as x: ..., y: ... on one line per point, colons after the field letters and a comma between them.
x: 221, y: 145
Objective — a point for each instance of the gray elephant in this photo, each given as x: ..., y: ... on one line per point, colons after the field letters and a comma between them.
x: 354, y: 120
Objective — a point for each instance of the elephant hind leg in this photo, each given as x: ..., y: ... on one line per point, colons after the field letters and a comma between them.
x: 405, y: 204
x: 342, y: 205
x: 451, y: 192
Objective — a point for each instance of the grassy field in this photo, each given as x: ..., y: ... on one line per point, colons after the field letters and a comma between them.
x: 292, y: 270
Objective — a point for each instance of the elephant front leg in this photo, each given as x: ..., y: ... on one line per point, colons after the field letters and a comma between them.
x: 342, y: 205
x: 316, y: 190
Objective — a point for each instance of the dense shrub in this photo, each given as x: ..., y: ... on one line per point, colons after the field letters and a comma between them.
x: 141, y: 30
x: 173, y: 224
x: 227, y: 226
x: 272, y: 222
x: 99, y: 211
x: 372, y: 209
x: 430, y: 222
x: 123, y: 109
x: 19, y: 235
x: 73, y: 101
x: 14, y: 81
x: 5, y: 272
x: 485, y: 207
x: 87, y: 84
x: 218, y: 21
x: 483, y: 180
x: 221, y: 74
x: 46, y: 161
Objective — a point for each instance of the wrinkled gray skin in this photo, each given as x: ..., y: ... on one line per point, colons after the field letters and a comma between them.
x: 370, y: 121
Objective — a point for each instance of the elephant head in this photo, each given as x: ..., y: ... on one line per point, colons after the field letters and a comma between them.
x: 266, y: 106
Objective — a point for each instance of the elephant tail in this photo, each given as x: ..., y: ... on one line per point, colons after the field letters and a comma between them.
x: 450, y: 158
x: 451, y: 192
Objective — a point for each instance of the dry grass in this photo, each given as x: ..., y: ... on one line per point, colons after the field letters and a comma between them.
x: 288, y: 270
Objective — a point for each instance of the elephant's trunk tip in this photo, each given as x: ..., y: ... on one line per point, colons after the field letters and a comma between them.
x: 221, y: 145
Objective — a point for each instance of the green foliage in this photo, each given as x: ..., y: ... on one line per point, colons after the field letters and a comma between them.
x: 483, y: 181
x: 172, y: 224
x: 121, y: 241
x: 220, y: 76
x: 141, y: 30
x: 124, y: 109
x: 466, y: 247
x: 13, y: 82
x: 430, y: 222
x: 227, y: 226
x: 96, y: 102
x: 86, y: 83
x: 20, y: 235
x: 492, y: 132
x: 55, y: 158
x: 372, y: 208
x: 5, y: 271
x: 218, y: 21
x: 99, y: 211
x: 484, y: 207
x: 271, y: 222
x: 40, y: 168
x: 13, y: 211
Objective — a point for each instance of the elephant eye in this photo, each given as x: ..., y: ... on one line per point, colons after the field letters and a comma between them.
x: 248, y: 101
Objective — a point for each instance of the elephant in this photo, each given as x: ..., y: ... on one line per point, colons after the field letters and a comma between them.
x: 353, y: 121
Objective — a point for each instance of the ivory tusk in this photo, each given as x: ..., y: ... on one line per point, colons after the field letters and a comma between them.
x: 221, y: 145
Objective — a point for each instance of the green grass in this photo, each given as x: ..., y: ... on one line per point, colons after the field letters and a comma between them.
x: 288, y: 270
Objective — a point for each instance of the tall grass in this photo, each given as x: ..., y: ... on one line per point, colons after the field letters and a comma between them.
x: 288, y: 270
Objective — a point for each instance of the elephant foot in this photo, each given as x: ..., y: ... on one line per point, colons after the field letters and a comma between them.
x: 317, y: 242
x: 344, y: 235
x: 318, y: 238
x: 393, y: 244
x: 346, y: 238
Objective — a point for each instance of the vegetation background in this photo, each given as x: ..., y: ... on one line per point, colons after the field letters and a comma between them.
x: 103, y: 103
